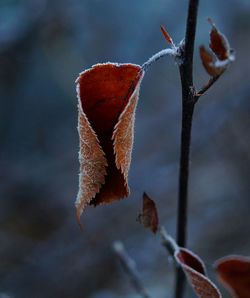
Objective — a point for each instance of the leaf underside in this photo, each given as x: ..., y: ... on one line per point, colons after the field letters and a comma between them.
x: 195, y: 272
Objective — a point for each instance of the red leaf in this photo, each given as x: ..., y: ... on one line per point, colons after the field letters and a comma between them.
x: 219, y: 43
x: 166, y: 35
x: 208, y: 62
x: 192, y: 266
x: 216, y: 64
x: 195, y: 272
x: 234, y: 274
x: 149, y: 216
x: 107, y: 99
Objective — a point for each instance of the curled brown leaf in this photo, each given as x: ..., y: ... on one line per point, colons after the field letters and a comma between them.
x: 107, y: 98
x: 208, y: 62
x: 195, y: 272
x: 192, y: 266
x: 219, y: 43
x: 217, y: 62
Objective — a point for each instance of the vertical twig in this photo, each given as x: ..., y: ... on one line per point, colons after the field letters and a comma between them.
x: 188, y: 103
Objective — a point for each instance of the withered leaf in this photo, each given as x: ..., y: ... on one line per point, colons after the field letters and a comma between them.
x: 219, y: 43
x: 215, y: 64
x: 208, y: 62
x: 167, y: 36
x: 149, y: 215
x: 234, y: 274
x: 107, y: 98
x: 195, y: 272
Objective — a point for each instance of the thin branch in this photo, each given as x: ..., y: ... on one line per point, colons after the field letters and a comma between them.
x: 187, y: 117
x: 168, y: 242
x: 209, y: 84
x: 188, y: 103
x: 187, y: 66
x: 129, y: 266
x: 157, y: 56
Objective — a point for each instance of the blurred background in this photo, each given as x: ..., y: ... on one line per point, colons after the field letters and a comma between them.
x: 43, y: 46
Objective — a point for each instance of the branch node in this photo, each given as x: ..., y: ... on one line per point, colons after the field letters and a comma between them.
x: 179, y: 58
x: 207, y: 86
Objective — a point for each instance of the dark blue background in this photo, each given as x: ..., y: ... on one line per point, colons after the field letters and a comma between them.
x: 43, y: 47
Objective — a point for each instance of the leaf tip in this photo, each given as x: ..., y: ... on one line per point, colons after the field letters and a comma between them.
x: 78, y: 218
x: 166, y: 35
x: 218, y: 43
x: 210, y: 21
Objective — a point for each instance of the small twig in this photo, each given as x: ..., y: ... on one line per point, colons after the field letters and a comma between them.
x: 157, y: 56
x: 168, y: 242
x: 129, y: 266
x: 209, y: 84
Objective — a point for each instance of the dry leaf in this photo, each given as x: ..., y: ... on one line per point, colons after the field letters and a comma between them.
x: 192, y: 266
x: 219, y: 43
x: 234, y: 274
x: 208, y: 62
x: 149, y: 216
x: 215, y: 64
x: 195, y: 272
x: 166, y: 35
x: 107, y: 98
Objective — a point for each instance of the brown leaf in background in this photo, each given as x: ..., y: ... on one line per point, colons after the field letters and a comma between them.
x: 149, y: 216
x: 207, y: 59
x: 234, y: 274
x: 219, y: 43
x: 107, y: 98
x: 195, y: 272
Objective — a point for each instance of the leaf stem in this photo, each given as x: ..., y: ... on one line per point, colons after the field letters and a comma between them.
x: 188, y: 103
x: 157, y: 56
x: 209, y: 84
x: 168, y: 242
